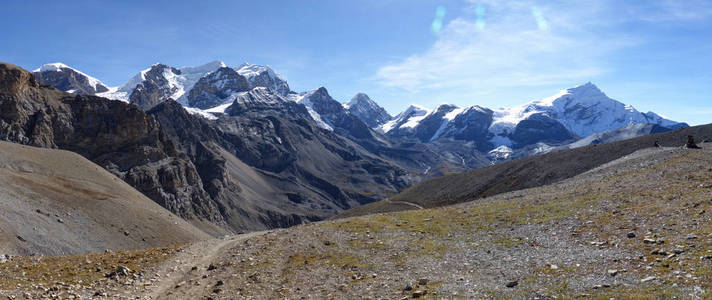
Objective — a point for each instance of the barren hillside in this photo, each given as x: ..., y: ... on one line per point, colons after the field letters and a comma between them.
x: 637, y: 227
x: 523, y: 173
x: 56, y: 202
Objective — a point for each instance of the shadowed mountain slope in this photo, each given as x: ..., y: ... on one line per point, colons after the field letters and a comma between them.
x: 264, y: 164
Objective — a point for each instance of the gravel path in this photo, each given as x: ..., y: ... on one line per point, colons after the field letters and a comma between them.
x: 201, y: 256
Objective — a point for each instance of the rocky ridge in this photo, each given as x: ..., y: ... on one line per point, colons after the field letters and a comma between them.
x: 241, y: 172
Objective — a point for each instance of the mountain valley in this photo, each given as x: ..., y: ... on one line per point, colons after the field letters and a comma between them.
x: 221, y: 182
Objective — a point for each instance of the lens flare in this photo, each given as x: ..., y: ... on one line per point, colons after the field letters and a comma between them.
x: 539, y: 17
x: 480, y: 17
x: 438, y: 21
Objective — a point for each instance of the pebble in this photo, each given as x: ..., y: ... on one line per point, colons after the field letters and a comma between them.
x: 422, y: 281
x: 691, y: 236
x: 649, y: 278
x: 658, y: 252
x: 613, y: 272
x: 408, y: 287
x: 512, y: 284
x: 418, y: 294
x: 631, y: 235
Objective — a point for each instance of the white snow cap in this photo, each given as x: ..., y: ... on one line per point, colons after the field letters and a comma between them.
x: 182, y: 82
x: 249, y: 70
x: 304, y: 99
x: 58, y: 67
x: 583, y: 109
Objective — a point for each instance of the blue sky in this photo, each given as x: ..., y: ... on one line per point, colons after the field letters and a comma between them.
x: 655, y: 55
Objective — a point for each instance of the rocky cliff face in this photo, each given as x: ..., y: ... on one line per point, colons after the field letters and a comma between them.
x: 156, y: 87
x: 540, y: 128
x: 67, y: 79
x: 119, y: 137
x: 264, y: 164
x: 326, y: 109
x: 367, y: 110
x: 471, y: 125
x: 263, y: 76
x: 216, y: 88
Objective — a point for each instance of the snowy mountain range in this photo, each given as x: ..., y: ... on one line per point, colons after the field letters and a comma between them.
x: 214, y: 88
x: 571, y: 114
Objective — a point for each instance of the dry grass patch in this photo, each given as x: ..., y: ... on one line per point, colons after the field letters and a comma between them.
x: 76, y: 269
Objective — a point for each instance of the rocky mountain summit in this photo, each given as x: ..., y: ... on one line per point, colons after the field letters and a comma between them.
x: 446, y: 139
x: 264, y: 76
x: 68, y: 79
x: 216, y: 88
x: 367, y: 110
x: 532, y: 128
x: 262, y: 164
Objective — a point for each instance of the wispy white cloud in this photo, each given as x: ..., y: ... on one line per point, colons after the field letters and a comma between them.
x: 525, y: 43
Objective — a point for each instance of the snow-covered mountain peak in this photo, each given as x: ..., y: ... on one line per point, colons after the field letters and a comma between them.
x: 261, y: 75
x: 587, y: 93
x: 248, y: 70
x: 68, y: 79
x: 360, y: 98
x: 571, y: 113
x: 367, y: 110
x: 204, y: 69
x: 178, y: 80
x: 318, y: 102
x: 583, y: 110
x: 56, y: 67
x: 415, y: 108
x: 445, y: 107
x: 409, y: 118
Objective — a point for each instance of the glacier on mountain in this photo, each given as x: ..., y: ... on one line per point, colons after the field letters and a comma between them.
x: 583, y: 110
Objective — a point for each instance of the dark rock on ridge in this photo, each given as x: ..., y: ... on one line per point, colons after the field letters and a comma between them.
x: 540, y: 128
x: 368, y: 111
x: 263, y: 165
x: 67, y: 79
x: 213, y: 89
x: 155, y: 88
x: 119, y: 137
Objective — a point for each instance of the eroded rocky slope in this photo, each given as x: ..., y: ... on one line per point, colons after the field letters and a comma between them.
x: 253, y: 168
x: 55, y: 202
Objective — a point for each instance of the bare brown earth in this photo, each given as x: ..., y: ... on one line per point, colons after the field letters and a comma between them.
x: 522, y: 173
x: 56, y: 202
x: 639, y: 227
